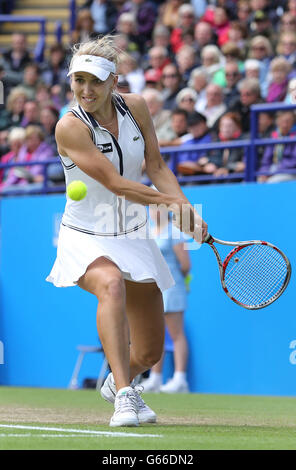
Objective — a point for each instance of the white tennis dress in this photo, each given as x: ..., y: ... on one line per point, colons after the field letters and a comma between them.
x: 103, y: 224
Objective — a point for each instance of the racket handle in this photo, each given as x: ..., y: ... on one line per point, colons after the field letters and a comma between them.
x: 208, y: 239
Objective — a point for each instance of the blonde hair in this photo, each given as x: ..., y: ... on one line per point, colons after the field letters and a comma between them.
x: 258, y: 40
x: 280, y: 63
x: 35, y: 130
x: 288, y: 34
x: 100, y: 47
x: 14, y: 94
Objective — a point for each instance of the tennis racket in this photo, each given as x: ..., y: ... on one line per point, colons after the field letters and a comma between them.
x: 254, y: 274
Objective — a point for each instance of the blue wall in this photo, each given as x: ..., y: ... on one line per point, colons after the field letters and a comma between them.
x: 232, y: 350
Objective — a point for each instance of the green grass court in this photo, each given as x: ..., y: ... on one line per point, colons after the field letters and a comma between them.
x: 63, y: 419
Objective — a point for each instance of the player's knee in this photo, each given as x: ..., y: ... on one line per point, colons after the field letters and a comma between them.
x: 111, y: 287
x: 114, y: 287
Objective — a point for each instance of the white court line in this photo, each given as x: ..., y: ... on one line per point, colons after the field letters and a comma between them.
x: 78, y: 431
x: 29, y: 434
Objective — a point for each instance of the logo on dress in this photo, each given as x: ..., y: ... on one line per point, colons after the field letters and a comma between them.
x: 88, y: 60
x: 136, y: 137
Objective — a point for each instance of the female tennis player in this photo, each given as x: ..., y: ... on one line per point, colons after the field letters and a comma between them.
x: 103, y: 247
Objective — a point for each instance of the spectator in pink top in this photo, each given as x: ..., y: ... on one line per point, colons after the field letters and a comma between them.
x: 34, y: 149
x: 280, y: 69
x: 16, y: 139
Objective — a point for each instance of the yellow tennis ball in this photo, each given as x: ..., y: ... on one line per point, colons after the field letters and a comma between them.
x: 76, y: 190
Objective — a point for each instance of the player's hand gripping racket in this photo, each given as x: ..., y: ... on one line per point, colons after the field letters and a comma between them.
x: 254, y: 274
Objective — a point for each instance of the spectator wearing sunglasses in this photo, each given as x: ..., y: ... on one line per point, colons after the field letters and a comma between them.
x: 287, y: 23
x: 261, y: 49
x: 287, y: 47
x: 232, y: 77
x: 186, y: 99
x: 172, y: 84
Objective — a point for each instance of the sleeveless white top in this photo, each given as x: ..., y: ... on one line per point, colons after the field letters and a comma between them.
x: 101, y: 212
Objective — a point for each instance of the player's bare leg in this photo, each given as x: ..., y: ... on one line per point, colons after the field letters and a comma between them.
x: 144, y: 308
x: 104, y: 280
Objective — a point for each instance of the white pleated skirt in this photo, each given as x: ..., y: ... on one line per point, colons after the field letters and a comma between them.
x: 139, y: 259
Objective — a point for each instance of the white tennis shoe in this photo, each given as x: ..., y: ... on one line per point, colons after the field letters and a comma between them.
x: 145, y: 414
x: 108, y: 389
x: 126, y: 411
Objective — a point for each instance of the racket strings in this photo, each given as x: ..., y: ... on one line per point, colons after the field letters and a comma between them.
x: 263, y: 282
x: 255, y: 274
x: 257, y: 286
x: 267, y: 269
x: 252, y: 291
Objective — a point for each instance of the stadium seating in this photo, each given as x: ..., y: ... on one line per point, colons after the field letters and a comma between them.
x: 52, y: 10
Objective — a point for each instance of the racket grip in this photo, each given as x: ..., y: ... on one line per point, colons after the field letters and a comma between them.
x: 208, y: 239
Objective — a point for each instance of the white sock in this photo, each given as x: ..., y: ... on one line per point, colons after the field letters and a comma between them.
x: 179, y: 376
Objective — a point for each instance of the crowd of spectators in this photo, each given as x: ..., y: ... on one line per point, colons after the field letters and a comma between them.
x: 199, y: 65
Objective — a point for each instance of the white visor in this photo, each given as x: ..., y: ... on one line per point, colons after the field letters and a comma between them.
x: 98, y: 66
